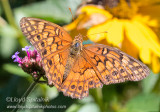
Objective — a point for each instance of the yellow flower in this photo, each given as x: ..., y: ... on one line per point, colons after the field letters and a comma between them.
x: 128, y: 27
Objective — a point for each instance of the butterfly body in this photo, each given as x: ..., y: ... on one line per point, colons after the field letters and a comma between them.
x: 74, y: 52
x: 73, y: 68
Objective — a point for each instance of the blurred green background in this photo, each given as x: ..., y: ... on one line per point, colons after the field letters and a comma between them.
x: 142, y: 96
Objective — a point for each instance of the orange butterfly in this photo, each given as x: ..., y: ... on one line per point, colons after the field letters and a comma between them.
x: 74, y: 68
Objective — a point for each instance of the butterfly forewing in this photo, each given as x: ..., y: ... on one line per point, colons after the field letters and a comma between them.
x: 53, y: 44
x: 114, y: 65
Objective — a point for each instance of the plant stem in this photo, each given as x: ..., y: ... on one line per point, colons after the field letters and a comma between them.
x: 8, y: 12
x: 11, y: 21
x: 25, y: 95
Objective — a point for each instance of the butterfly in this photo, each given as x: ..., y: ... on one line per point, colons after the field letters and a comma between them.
x: 72, y: 67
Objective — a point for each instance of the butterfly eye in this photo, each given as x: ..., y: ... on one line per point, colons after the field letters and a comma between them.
x: 77, y: 44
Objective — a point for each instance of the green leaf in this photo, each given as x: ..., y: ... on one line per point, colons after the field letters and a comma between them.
x: 7, y: 47
x: 90, y: 107
x: 51, y: 10
x: 63, y: 102
x: 8, y: 31
x: 15, y: 87
x: 34, y: 99
x: 8, y: 41
x: 50, y: 92
x: 149, y: 82
x: 15, y: 69
x: 73, y: 108
x: 144, y: 103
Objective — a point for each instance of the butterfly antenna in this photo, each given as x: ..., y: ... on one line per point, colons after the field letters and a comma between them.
x: 96, y: 33
x: 71, y: 13
x: 72, y: 17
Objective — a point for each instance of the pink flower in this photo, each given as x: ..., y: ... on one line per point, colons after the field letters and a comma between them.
x: 32, y: 63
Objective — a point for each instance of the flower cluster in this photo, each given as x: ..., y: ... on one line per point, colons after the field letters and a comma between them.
x: 31, y: 63
x: 128, y: 27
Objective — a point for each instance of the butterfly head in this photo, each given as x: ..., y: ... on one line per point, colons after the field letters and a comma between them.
x: 76, y: 45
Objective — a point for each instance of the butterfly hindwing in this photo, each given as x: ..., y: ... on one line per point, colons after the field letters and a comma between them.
x: 81, y: 77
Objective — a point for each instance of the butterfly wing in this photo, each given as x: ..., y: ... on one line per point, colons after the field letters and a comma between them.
x: 113, y: 65
x: 96, y: 65
x: 81, y: 77
x: 53, y: 44
x: 99, y: 64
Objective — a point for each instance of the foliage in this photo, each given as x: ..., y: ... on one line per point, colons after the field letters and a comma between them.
x: 143, y: 96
